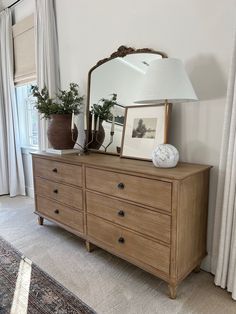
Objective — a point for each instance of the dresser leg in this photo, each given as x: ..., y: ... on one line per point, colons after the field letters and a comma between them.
x: 197, y: 269
x: 89, y: 246
x: 40, y: 220
x: 172, y: 291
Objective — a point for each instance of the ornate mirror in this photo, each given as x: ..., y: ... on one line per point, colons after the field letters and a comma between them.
x: 113, y: 84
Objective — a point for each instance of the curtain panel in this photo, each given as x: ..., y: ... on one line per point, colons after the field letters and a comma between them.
x: 224, y: 238
x: 47, y: 62
x: 11, y: 166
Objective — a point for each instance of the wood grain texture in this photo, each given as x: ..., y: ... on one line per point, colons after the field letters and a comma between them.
x: 162, y: 227
x: 136, y: 246
x: 60, y: 172
x: 40, y: 220
x: 89, y: 246
x: 123, y: 165
x: 137, y: 218
x: 141, y: 190
x: 172, y: 291
x: 61, y: 213
x: 174, y: 225
x: 84, y: 199
x: 152, y: 270
x: 192, y: 221
x: 60, y: 192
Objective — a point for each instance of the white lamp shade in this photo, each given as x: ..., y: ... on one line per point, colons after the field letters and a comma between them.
x: 166, y: 79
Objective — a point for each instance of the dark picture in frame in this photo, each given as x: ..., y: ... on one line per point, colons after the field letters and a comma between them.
x: 144, y: 128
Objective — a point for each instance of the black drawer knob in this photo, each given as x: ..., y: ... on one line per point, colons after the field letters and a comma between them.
x: 55, y: 191
x: 56, y: 211
x: 121, y: 213
x: 121, y: 186
x: 121, y: 240
x: 54, y: 170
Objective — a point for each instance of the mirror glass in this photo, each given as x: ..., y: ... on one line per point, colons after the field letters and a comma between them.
x: 123, y: 77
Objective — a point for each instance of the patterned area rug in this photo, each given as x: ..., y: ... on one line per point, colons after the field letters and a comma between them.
x: 25, y: 288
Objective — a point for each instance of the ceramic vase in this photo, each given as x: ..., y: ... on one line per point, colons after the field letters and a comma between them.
x: 59, y: 132
x: 165, y: 156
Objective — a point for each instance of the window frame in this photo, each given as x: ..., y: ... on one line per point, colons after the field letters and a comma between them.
x: 23, y: 116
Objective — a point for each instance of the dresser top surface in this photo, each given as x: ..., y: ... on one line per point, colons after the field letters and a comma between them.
x: 181, y: 171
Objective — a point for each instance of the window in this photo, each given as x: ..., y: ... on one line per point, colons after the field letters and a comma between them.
x: 28, y: 116
x: 24, y: 77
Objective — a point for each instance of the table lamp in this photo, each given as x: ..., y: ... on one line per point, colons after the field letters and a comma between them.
x: 166, y: 81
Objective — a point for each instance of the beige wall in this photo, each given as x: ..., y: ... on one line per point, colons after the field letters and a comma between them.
x: 197, y: 31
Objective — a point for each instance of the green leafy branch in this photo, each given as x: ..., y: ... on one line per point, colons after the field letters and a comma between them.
x: 103, y: 111
x: 68, y: 101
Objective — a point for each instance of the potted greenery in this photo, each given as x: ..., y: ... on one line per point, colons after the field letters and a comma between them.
x: 59, y: 112
x: 102, y: 110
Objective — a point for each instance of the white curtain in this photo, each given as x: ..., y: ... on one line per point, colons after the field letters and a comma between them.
x: 224, y: 238
x: 47, y: 56
x: 11, y: 166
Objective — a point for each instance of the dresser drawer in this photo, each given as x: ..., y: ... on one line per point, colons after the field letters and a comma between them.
x: 129, y: 244
x: 60, y: 213
x: 141, y: 190
x: 131, y: 216
x: 61, y: 172
x: 62, y: 193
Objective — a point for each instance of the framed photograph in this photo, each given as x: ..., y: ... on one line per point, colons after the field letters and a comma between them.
x: 145, y: 128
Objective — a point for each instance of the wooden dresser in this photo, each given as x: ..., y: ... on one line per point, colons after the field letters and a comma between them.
x: 153, y: 218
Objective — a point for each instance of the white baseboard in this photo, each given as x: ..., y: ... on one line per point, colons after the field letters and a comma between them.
x: 29, y: 191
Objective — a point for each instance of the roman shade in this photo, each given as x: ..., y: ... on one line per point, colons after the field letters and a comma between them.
x: 24, y: 51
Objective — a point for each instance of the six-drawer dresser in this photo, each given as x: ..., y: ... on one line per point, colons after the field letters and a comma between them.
x: 154, y: 218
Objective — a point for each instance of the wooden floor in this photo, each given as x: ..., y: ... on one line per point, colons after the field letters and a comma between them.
x: 104, y: 282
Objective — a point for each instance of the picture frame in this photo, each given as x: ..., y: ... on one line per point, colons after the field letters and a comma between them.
x: 145, y: 127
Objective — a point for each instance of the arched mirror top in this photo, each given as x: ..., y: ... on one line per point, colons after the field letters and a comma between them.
x: 123, y: 51
x: 121, y: 74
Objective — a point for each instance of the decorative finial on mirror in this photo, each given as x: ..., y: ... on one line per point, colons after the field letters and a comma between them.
x: 123, y: 51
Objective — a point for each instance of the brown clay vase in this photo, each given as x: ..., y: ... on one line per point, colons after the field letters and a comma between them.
x: 59, y: 132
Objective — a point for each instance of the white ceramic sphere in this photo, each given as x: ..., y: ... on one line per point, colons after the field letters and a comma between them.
x: 165, y: 156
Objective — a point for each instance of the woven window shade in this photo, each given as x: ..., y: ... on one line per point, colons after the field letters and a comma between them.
x: 24, y: 51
